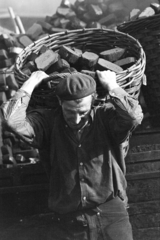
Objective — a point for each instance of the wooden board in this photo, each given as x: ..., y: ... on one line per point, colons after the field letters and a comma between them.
x: 139, y: 221
x: 144, y: 207
x: 143, y: 156
x: 19, y: 202
x: 145, y: 137
x: 143, y: 190
x: 143, y: 167
x: 147, y: 234
x: 22, y: 175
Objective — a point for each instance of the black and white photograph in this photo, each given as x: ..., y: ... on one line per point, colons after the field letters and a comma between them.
x: 79, y: 120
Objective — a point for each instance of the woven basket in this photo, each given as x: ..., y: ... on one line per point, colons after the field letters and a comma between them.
x: 147, y: 32
x: 95, y: 40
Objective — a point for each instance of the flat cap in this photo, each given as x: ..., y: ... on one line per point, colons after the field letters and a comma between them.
x: 75, y: 86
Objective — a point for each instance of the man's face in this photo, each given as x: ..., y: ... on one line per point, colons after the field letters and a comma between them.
x: 76, y: 113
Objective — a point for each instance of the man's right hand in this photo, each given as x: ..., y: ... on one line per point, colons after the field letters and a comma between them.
x: 34, y: 80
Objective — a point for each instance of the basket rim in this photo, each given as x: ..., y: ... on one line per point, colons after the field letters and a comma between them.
x: 138, y: 21
x: 135, y: 72
x: 75, y: 31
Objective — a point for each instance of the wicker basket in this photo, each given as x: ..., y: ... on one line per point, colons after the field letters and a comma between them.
x: 147, y: 32
x: 95, y: 40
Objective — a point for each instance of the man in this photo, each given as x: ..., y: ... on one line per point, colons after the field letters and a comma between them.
x: 86, y: 149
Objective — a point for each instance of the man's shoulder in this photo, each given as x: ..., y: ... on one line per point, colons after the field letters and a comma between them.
x: 47, y: 113
x: 102, y: 107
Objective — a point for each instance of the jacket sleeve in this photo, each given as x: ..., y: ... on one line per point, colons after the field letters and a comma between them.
x: 122, y: 114
x: 30, y: 126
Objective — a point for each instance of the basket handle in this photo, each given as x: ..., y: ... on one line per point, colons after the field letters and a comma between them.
x: 18, y: 25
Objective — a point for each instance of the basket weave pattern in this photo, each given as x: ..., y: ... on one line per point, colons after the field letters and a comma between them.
x: 147, y: 31
x: 95, y: 40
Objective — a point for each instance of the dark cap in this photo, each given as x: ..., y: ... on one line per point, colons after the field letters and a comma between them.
x: 75, y: 86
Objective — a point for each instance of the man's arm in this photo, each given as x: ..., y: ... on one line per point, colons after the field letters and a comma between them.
x: 14, y: 115
x: 123, y: 112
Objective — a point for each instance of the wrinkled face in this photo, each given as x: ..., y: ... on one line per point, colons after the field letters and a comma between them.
x: 76, y: 113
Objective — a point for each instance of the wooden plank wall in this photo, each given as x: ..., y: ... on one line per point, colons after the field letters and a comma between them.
x: 143, y: 175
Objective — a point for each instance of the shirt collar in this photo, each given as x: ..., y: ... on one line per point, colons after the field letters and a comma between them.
x: 92, y: 114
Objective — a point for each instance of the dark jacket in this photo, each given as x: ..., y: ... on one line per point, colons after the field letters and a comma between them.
x: 86, y: 172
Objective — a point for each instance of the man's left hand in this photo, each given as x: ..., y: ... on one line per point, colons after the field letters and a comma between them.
x: 107, y: 79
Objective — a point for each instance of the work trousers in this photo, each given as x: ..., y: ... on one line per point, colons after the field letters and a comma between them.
x: 109, y: 221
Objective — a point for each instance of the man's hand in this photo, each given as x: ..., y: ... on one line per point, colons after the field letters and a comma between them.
x: 37, y: 77
x: 107, y: 79
x: 34, y: 80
